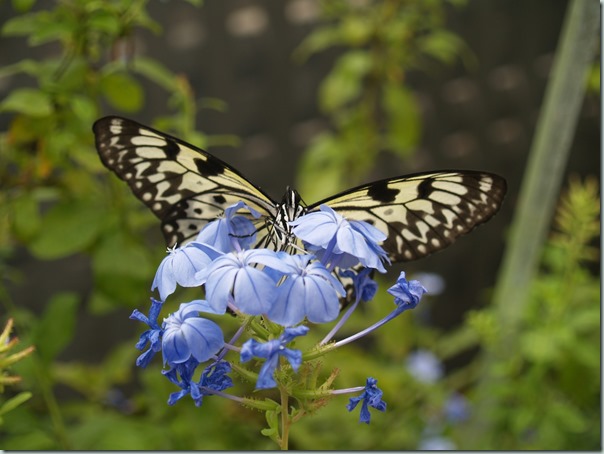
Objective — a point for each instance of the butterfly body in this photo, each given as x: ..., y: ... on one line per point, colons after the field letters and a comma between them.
x: 186, y: 188
x: 290, y: 208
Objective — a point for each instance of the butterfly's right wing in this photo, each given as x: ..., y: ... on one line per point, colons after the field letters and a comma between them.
x: 183, y: 185
x: 425, y: 212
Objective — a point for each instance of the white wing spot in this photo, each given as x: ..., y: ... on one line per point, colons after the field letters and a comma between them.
x: 447, y: 186
x: 445, y: 198
x: 151, y: 153
x: 151, y: 141
x: 421, y: 205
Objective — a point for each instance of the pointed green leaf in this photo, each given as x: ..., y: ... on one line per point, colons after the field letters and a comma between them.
x: 404, y: 123
x: 14, y: 402
x: 55, y: 330
x: 122, y: 91
x: 28, y: 101
x: 69, y: 227
x: 344, y: 82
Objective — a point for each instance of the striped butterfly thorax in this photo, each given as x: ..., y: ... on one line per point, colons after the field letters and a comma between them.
x: 187, y: 187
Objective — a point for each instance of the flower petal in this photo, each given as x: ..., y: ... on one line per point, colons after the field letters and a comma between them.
x: 204, y: 338
x: 286, y: 309
x: 254, y: 292
x: 175, y: 349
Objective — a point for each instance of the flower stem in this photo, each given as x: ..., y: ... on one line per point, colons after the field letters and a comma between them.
x: 340, y: 323
x: 366, y: 331
x: 285, y: 422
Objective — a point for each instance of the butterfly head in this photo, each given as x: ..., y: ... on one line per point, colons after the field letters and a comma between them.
x: 290, y: 208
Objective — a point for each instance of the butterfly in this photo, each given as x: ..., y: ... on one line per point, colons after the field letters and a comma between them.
x: 186, y: 187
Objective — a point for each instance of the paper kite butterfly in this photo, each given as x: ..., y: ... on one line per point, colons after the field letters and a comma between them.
x: 186, y: 188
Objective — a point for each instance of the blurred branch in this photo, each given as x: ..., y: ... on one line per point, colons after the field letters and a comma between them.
x: 538, y: 195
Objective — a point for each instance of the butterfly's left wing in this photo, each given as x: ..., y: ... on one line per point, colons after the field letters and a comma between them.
x: 422, y: 213
x: 183, y: 185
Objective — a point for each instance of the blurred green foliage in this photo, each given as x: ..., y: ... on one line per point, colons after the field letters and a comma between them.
x: 57, y: 200
x: 8, y: 357
x: 364, y: 95
x: 550, y: 388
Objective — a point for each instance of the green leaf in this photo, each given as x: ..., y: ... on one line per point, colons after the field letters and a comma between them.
x: 23, y: 6
x: 541, y: 345
x: 50, y: 29
x: 14, y: 402
x: 105, y: 21
x: 156, y: 72
x: 30, y: 67
x: 69, y: 227
x: 56, y: 328
x: 119, y: 254
x: 20, y: 25
x: 28, y: 101
x: 123, y: 271
x: 442, y: 45
x: 122, y: 91
x: 99, y: 429
x: 272, y: 418
x: 356, y: 30
x: 321, y: 170
x: 344, y: 82
x: 404, y: 122
x: 26, y: 218
x: 41, y: 27
x: 84, y: 108
x: 317, y: 41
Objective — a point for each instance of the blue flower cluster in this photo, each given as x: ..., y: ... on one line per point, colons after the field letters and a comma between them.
x: 286, y: 289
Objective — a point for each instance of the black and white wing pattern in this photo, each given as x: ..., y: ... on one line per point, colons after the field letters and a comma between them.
x: 184, y: 186
x: 187, y: 188
x: 425, y: 212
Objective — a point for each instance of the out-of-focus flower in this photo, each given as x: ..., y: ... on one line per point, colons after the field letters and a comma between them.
x: 424, y: 366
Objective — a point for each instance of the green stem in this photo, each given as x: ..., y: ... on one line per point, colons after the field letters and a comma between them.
x: 538, y: 195
x: 41, y: 372
x: 285, y: 422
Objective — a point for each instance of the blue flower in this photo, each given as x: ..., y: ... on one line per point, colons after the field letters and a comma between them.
x: 235, y: 278
x: 457, y: 408
x: 187, y: 335
x: 406, y: 294
x: 230, y: 232
x: 271, y: 350
x: 424, y: 366
x: 309, y: 290
x: 213, y: 378
x: 365, y: 287
x: 371, y: 397
x: 436, y: 443
x: 179, y: 267
x: 152, y: 335
x: 339, y: 242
